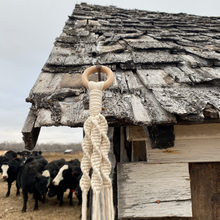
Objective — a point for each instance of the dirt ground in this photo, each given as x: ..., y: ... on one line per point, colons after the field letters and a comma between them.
x: 10, y: 207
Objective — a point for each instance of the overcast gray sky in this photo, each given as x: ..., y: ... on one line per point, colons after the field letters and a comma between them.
x: 27, y: 32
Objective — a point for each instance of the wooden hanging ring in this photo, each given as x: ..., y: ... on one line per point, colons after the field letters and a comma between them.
x: 93, y: 69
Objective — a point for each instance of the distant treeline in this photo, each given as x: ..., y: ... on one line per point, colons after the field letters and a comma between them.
x: 54, y: 147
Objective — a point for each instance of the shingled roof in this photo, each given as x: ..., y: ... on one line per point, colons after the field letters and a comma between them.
x: 166, y: 67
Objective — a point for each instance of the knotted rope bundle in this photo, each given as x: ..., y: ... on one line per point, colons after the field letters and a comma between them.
x: 96, y: 147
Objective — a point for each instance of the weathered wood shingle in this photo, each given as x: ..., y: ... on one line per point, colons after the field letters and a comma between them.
x: 166, y: 67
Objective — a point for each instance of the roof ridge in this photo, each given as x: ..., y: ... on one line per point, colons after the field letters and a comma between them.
x: 94, y: 6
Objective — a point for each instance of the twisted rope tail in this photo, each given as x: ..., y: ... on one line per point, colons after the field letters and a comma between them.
x: 96, y: 147
x: 85, y: 182
x: 106, y: 168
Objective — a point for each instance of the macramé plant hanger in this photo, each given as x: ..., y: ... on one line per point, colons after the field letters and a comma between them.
x: 95, y: 148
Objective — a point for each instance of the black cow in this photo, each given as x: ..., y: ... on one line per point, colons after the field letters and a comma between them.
x: 78, y: 191
x: 52, y: 168
x: 24, y: 153
x: 25, y: 160
x: 36, y: 153
x: 4, y: 159
x: 9, y: 173
x: 12, y: 153
x: 51, y: 171
x: 42, y: 160
x: 67, y: 178
x: 31, y: 180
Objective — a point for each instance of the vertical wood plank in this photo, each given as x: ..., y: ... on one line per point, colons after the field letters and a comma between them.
x: 30, y: 133
x: 111, y: 152
x: 138, y: 151
x: 205, y: 184
x: 123, y: 153
x: 116, y: 148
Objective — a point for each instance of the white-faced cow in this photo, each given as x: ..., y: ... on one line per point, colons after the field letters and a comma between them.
x: 67, y: 178
x: 52, y: 168
x: 9, y: 173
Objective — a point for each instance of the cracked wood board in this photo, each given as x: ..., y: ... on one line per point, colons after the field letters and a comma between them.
x: 153, y: 190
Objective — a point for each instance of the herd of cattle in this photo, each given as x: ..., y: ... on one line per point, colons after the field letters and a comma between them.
x: 33, y: 174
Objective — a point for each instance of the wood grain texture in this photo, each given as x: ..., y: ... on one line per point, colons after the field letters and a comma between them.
x: 44, y: 118
x: 155, y: 57
x: 114, y: 58
x: 47, y: 82
x: 29, y: 131
x: 180, y: 56
x: 153, y: 190
x: 194, y: 143
x: 206, y: 54
x: 135, y: 133
x: 140, y: 113
x: 177, y: 74
x: 197, y: 131
x: 74, y: 60
x: 132, y: 83
x: 156, y: 113
x: 187, y: 150
x: 146, y: 42
x: 139, y: 149
x: 113, y: 48
x: 120, y: 77
x: 123, y: 153
x: 154, y: 78
x: 187, y: 99
x: 205, y: 184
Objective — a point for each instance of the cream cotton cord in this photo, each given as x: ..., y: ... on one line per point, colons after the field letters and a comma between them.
x: 96, y: 147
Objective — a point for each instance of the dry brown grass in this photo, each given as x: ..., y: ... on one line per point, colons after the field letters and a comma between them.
x: 10, y: 207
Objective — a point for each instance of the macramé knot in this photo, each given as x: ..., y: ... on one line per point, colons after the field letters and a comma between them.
x: 95, y: 147
x: 95, y: 97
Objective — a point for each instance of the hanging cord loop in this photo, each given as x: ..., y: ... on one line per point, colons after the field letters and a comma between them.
x: 96, y: 147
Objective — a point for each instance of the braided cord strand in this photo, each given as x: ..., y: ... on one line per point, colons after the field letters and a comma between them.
x: 106, y: 168
x: 85, y: 182
x: 96, y: 147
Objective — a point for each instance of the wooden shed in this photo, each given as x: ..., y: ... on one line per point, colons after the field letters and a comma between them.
x: 162, y: 108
